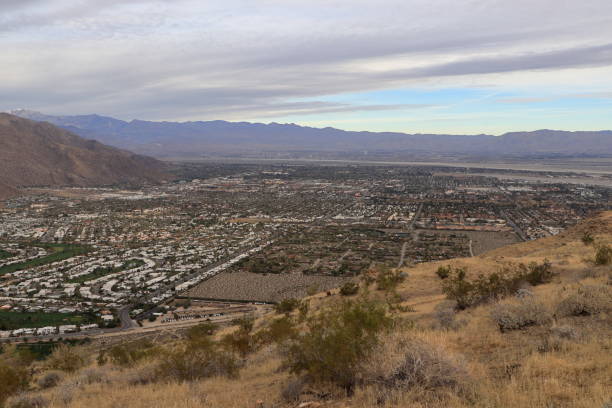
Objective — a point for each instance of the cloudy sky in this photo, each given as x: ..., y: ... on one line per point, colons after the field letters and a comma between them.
x: 443, y: 66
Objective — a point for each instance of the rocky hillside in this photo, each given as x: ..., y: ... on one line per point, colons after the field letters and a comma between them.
x: 41, y: 154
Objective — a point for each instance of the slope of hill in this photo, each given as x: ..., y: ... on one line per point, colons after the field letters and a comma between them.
x: 546, y: 345
x: 195, y: 139
x: 41, y: 154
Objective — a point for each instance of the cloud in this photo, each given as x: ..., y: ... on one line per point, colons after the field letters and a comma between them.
x: 242, y: 59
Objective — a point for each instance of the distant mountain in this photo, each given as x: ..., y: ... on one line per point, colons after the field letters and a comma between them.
x: 194, y: 139
x: 41, y: 154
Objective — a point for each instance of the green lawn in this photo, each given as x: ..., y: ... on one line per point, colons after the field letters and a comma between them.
x: 4, y: 254
x: 18, y: 320
x: 107, y: 270
x: 59, y: 252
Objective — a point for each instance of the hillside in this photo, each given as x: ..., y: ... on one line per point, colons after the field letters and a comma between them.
x: 41, y: 154
x: 197, y: 139
x: 540, y: 344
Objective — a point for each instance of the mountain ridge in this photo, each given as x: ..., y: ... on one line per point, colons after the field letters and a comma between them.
x: 40, y: 153
x: 201, y: 138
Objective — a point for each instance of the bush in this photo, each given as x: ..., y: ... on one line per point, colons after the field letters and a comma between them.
x: 91, y: 375
x: 484, y: 288
x: 403, y: 362
x: 200, y: 330
x: 388, y: 279
x: 587, y: 238
x: 241, y: 341
x: 12, y: 381
x: 446, y: 315
x: 278, y: 331
x: 537, y: 274
x: 127, y: 355
x: 49, y: 380
x: 287, y: 305
x: 191, y: 362
x: 336, y: 342
x: 349, y: 289
x: 586, y: 301
x: 603, y: 256
x: 292, y: 390
x: 516, y: 316
x: 66, y: 358
x: 443, y: 271
x: 27, y: 401
x: 140, y: 375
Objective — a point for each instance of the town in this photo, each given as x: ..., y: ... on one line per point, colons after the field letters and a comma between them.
x: 90, y: 260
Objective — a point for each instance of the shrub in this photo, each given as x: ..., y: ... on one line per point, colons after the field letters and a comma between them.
x: 192, y: 362
x: 27, y: 401
x: 586, y: 301
x: 446, y: 315
x: 12, y: 381
x: 443, y: 272
x: 403, y: 362
x: 516, y: 316
x: 91, y: 375
x: 241, y: 341
x: 49, y: 380
x: 278, y: 331
x: 126, y: 355
x: 537, y: 274
x: 200, y: 330
x: 388, y: 279
x: 286, y: 305
x: 484, y: 288
x: 349, y: 289
x: 336, y: 341
x: 564, y: 332
x: 603, y: 256
x: 141, y: 375
x: 587, y: 238
x: 66, y: 358
x: 292, y: 390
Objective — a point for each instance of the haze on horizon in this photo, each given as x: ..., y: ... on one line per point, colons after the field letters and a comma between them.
x: 416, y: 66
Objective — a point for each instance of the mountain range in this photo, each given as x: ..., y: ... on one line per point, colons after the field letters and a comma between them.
x: 41, y: 154
x: 209, y: 138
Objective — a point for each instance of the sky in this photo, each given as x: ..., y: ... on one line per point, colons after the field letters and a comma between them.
x: 415, y: 66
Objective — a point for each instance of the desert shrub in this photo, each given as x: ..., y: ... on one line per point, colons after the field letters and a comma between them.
x: 403, y: 362
x: 66, y: 358
x: 603, y: 256
x: 191, y: 362
x: 443, y: 271
x: 292, y: 390
x: 12, y: 381
x: 336, y: 341
x: 200, y: 330
x: 537, y: 274
x: 66, y: 392
x: 140, y: 375
x: 388, y: 279
x: 27, y: 401
x: 349, y: 289
x: 277, y: 331
x: 91, y: 375
x: 241, y: 341
x: 126, y: 355
x: 445, y: 314
x: 516, y: 316
x: 564, y: 332
x: 496, y: 285
x: 49, y: 379
x: 286, y: 305
x: 587, y: 238
x: 586, y: 301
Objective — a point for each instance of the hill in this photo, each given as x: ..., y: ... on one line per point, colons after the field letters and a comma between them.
x: 197, y: 139
x: 542, y: 340
x: 41, y: 154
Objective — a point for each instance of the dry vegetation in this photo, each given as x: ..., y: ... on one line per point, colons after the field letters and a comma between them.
x: 398, y: 342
